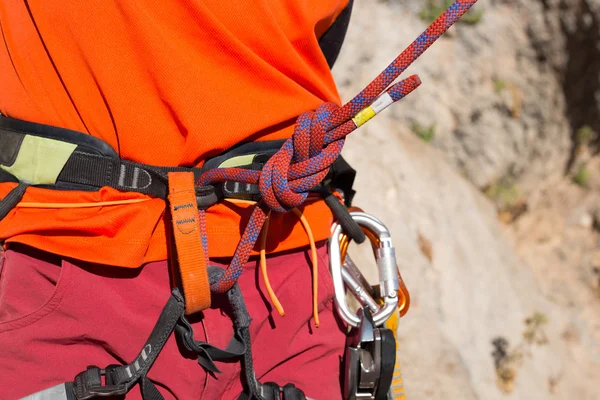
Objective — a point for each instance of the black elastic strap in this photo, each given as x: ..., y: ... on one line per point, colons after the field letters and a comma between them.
x: 241, y: 323
x: 343, y: 217
x: 207, y: 353
x: 253, y: 386
x: 239, y: 347
x: 119, y: 379
x: 241, y: 320
x: 12, y: 198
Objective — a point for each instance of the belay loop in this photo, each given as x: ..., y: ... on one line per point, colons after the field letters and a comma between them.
x: 318, y: 139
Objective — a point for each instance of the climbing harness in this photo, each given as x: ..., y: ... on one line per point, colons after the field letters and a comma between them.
x: 279, y: 181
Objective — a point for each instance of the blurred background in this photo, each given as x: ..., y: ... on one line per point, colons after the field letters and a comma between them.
x: 489, y: 180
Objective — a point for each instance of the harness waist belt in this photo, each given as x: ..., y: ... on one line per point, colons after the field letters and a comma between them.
x: 76, y: 161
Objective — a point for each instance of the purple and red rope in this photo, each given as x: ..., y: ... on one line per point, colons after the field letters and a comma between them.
x: 305, y: 158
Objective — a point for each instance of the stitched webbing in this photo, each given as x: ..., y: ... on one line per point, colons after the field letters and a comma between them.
x: 191, y: 253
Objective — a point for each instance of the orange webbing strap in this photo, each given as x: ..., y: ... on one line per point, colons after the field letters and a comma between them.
x: 188, y: 242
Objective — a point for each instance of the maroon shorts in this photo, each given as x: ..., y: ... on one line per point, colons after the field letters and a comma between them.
x: 58, y: 316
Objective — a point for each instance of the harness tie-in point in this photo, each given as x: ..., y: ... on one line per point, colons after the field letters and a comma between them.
x: 305, y: 158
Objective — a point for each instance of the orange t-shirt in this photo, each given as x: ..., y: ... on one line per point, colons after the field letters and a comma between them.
x: 164, y: 83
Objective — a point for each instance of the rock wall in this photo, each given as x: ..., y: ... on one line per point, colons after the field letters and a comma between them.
x: 507, y: 95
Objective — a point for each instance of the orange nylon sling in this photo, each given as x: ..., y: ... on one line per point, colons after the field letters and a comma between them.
x: 191, y: 257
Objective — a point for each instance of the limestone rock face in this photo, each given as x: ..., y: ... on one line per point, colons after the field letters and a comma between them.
x: 507, y: 96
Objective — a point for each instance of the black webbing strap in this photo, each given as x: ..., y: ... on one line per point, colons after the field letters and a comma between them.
x: 98, y: 171
x: 12, y: 198
x: 240, y: 347
x: 207, y: 353
x: 272, y: 391
x: 149, y: 390
x: 119, y: 379
x: 95, y: 171
x: 84, y: 142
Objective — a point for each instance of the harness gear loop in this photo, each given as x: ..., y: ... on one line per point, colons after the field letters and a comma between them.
x: 190, y: 241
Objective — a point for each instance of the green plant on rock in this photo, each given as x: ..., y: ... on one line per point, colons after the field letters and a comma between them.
x: 434, y: 8
x: 585, y: 135
x: 504, y: 192
x: 427, y: 134
x: 534, y: 334
x: 499, y: 85
x: 472, y: 17
x: 582, y: 176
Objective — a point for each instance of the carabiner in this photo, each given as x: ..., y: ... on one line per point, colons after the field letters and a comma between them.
x: 389, y: 278
x: 358, y: 285
x: 403, y: 294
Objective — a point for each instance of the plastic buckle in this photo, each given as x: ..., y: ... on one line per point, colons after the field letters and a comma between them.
x: 206, y: 196
x: 272, y: 391
x: 88, y: 384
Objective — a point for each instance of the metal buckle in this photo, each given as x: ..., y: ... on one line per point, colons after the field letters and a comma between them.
x: 88, y: 384
x: 389, y: 277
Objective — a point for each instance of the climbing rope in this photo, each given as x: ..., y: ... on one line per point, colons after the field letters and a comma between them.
x: 305, y: 158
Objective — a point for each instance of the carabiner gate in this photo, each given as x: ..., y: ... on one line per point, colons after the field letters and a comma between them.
x: 389, y: 278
